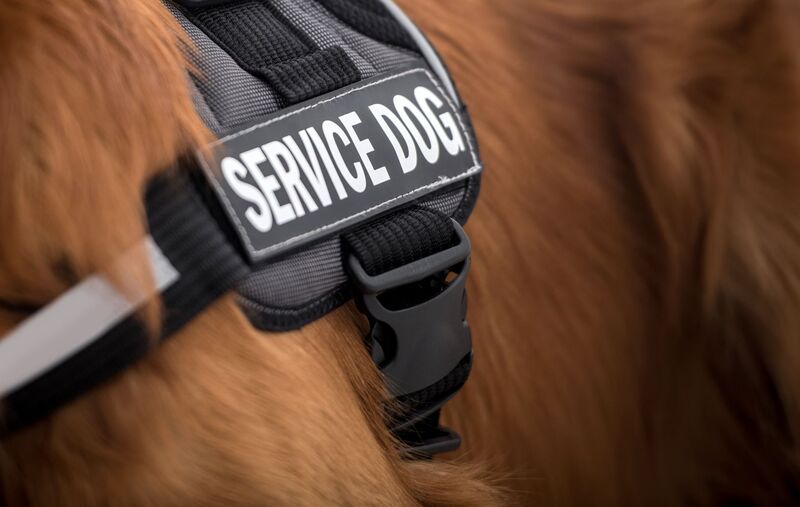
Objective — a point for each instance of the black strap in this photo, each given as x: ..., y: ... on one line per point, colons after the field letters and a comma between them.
x: 265, y: 44
x: 400, y: 238
x: 208, y: 267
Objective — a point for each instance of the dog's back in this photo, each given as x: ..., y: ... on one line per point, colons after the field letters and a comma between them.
x: 634, y: 293
x: 637, y: 278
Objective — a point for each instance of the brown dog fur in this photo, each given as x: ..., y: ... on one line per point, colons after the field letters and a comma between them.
x: 633, y: 298
x: 636, y: 283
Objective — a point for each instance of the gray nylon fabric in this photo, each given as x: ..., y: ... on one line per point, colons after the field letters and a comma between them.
x: 289, y: 283
x: 233, y: 95
x: 326, y: 30
x: 228, y: 97
x: 310, y: 21
x: 447, y: 202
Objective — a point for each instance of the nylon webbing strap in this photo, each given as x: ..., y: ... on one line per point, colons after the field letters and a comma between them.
x: 207, y: 266
x: 265, y: 44
x: 400, y: 238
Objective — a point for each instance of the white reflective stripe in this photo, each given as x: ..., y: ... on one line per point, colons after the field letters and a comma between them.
x: 427, y: 50
x: 74, y: 320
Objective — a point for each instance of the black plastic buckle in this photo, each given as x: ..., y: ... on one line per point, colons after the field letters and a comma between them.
x: 427, y: 437
x: 419, y: 333
x: 418, y: 342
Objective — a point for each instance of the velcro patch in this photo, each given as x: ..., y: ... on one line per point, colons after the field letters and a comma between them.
x: 329, y: 163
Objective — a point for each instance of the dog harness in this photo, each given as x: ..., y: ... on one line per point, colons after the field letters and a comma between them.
x: 344, y: 167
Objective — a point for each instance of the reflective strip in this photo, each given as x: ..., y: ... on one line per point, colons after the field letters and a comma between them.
x: 74, y: 320
x: 427, y: 50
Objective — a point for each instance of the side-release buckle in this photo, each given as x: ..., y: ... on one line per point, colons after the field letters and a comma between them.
x: 419, y: 334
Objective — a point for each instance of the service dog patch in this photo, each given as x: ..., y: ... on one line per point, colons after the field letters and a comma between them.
x: 321, y: 166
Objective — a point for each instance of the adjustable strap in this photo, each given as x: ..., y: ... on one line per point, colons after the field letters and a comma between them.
x: 266, y: 44
x: 373, y: 20
x: 194, y: 266
x: 401, y: 238
x: 410, y: 268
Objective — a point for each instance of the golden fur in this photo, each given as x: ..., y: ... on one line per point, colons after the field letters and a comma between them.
x: 636, y: 283
x: 634, y: 296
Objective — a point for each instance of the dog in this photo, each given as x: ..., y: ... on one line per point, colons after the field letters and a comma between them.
x: 633, y: 294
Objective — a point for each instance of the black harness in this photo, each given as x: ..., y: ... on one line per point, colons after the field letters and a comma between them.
x: 344, y: 168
